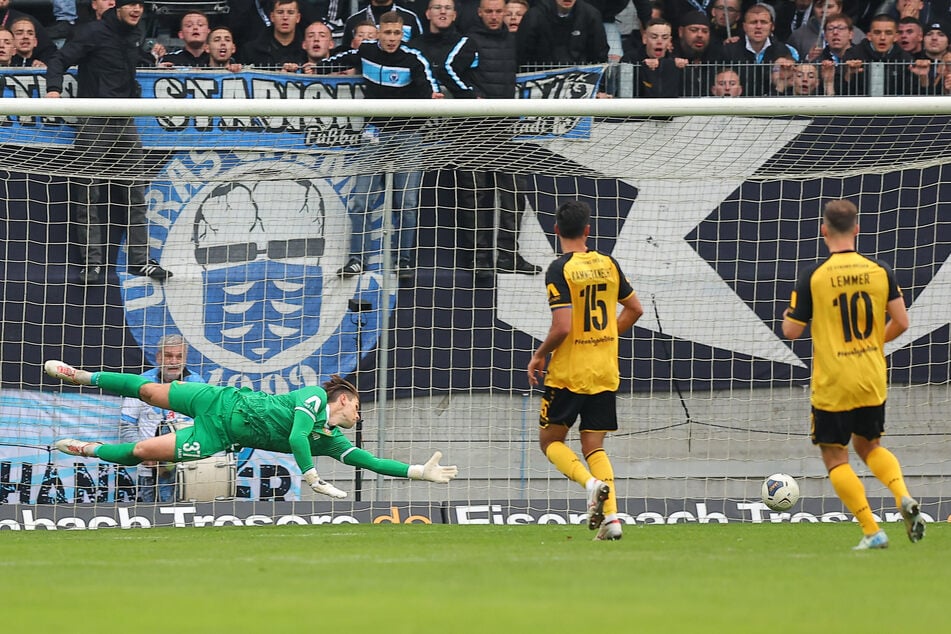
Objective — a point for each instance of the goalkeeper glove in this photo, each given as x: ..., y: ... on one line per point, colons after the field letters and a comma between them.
x: 322, y: 487
x: 432, y: 470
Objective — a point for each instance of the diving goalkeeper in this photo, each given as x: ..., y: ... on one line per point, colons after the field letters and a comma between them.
x: 305, y: 423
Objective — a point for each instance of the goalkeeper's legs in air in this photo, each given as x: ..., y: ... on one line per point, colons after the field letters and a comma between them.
x: 157, y: 448
x: 131, y: 385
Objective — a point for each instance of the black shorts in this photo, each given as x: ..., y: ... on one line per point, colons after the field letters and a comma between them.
x: 836, y: 428
x: 561, y: 406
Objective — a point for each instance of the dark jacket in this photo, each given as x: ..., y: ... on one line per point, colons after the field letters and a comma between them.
x: 545, y: 38
x: 266, y: 52
x: 107, y: 53
x: 402, y: 74
x: 184, y: 58
x: 495, y: 75
x: 452, y: 57
x: 755, y: 69
x: 898, y: 79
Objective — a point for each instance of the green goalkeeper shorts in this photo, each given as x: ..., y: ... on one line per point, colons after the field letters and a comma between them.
x: 211, y: 407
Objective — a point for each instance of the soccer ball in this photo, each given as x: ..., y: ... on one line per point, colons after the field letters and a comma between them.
x: 780, y: 492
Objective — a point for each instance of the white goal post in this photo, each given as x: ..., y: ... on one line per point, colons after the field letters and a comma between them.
x: 710, y: 206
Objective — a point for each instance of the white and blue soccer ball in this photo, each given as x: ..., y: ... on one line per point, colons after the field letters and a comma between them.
x: 780, y: 492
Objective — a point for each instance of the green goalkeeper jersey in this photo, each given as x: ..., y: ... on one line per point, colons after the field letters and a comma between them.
x: 296, y: 423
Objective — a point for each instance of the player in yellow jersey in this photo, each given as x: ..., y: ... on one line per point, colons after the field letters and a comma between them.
x: 847, y: 297
x: 584, y: 288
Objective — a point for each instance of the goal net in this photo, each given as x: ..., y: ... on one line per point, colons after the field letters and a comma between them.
x: 709, y: 206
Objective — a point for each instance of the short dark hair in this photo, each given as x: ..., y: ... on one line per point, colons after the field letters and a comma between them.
x: 391, y: 17
x: 337, y: 385
x: 571, y: 218
x: 884, y: 17
x: 840, y: 216
x: 188, y: 13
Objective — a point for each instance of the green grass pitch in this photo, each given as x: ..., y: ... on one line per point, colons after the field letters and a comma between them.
x: 419, y: 578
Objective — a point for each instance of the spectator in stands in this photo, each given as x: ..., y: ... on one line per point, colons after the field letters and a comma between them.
x: 65, y: 16
x: 790, y: 16
x: 758, y: 51
x: 383, y: 60
x: 659, y: 73
x: 922, y: 10
x: 105, y: 143
x: 809, y: 39
x: 248, y: 19
x: 495, y: 77
x: 806, y: 81
x: 515, y: 10
x: 935, y: 48
x: 910, y: 36
x: 727, y: 83
x: 451, y: 55
x: 45, y: 47
x: 609, y: 10
x: 561, y: 32
x: 8, y: 48
x: 99, y: 7
x: 345, y: 59
x: 363, y: 31
x: 725, y: 21
x: 24, y: 35
x: 193, y: 33
x: 944, y: 86
x: 221, y: 49
x: 139, y: 420
x: 318, y: 41
x: 782, y: 76
x: 694, y: 46
x: 838, y: 32
x: 936, y: 41
x: 412, y: 26
x: 453, y: 58
x: 880, y: 45
x: 280, y: 44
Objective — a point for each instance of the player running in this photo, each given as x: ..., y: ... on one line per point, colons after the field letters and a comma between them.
x: 855, y: 307
x: 306, y: 423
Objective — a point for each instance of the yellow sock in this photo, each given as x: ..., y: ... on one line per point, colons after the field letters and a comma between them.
x: 568, y: 462
x: 601, y: 468
x: 884, y: 465
x: 850, y: 490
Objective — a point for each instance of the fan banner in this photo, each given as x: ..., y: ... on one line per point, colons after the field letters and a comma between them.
x: 275, y: 133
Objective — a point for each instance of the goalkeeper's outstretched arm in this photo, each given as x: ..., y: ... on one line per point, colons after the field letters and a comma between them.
x: 431, y: 471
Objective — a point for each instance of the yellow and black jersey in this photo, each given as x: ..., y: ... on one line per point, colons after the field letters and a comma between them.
x: 846, y: 297
x: 591, y: 285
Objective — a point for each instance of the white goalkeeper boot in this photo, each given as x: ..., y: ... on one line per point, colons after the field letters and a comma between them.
x: 66, y: 372
x: 610, y: 530
x: 75, y: 447
x: 597, y: 494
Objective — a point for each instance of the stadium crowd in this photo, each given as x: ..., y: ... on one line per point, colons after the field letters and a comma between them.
x: 673, y: 47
